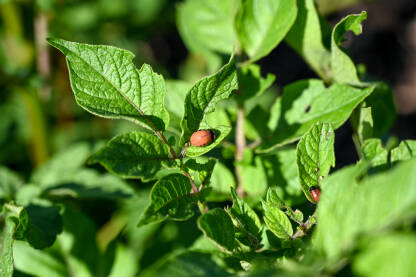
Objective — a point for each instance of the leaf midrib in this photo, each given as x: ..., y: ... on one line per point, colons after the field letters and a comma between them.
x: 105, y: 78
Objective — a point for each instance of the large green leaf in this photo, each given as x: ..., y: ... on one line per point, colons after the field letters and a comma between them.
x: 248, y: 223
x: 106, y: 83
x: 37, y: 224
x: 307, y: 102
x: 221, y: 180
x: 312, y: 38
x: 78, y: 242
x: 405, y: 151
x: 29, y: 260
x: 383, y: 109
x: 251, y: 82
x: 255, y: 123
x: 63, y: 162
x: 347, y: 209
x: 374, y: 152
x: 281, y: 170
x: 171, y: 197
x: 315, y: 156
x: 125, y: 263
x: 307, y: 37
x: 387, y: 255
x: 134, y: 155
x: 218, y: 226
x: 207, y: 25
x: 175, y: 97
x: 343, y: 68
x: 277, y: 221
x: 86, y: 183
x: 262, y: 24
x: 254, y: 178
x: 204, y: 96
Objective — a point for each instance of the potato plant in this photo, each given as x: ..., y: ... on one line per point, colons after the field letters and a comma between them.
x: 262, y: 186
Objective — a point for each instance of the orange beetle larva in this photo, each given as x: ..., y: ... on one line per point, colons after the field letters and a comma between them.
x: 315, y: 193
x: 202, y: 137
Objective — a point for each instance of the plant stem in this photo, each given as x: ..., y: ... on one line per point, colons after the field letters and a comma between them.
x: 165, y: 141
x: 194, y: 187
x: 203, y: 208
x: 304, y: 228
x: 241, y: 145
x: 42, y: 53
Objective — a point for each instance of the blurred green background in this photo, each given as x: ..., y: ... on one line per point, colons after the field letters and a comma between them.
x: 39, y: 117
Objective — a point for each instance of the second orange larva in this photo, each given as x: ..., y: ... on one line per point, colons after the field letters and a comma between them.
x: 202, y: 137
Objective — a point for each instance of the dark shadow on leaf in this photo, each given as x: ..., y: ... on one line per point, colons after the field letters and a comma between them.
x: 45, y: 223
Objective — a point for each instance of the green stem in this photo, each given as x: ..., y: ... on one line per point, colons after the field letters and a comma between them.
x: 241, y: 145
x: 305, y: 227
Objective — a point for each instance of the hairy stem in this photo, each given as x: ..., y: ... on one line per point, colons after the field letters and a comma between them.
x: 241, y: 145
x: 305, y: 227
x: 194, y: 187
x: 201, y: 205
x: 160, y: 135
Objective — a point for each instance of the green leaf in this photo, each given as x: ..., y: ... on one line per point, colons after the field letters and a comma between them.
x: 255, y: 123
x: 170, y: 197
x: 39, y: 225
x: 375, y: 153
x: 362, y: 123
x: 387, y: 255
x: 221, y: 180
x: 207, y: 26
x: 254, y: 179
x: 134, y: 155
x: 343, y: 68
x: 204, y: 96
x: 191, y: 264
x: 281, y: 170
x: 106, y: 83
x: 312, y: 38
x: 220, y: 133
x: 29, y: 260
x: 315, y: 156
x: 261, y: 25
x: 218, y: 226
x: 10, y: 183
x: 64, y: 162
x: 87, y: 183
x: 379, y: 202
x: 251, y: 82
x: 277, y: 221
x: 175, y: 97
x: 307, y: 37
x: 405, y: 151
x: 78, y: 242
x: 125, y: 263
x: 307, y: 102
x: 273, y: 198
x: 383, y: 109
x: 202, y: 167
x: 247, y: 222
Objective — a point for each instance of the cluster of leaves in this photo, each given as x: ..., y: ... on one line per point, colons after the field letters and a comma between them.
x: 363, y: 210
